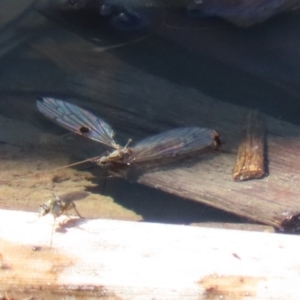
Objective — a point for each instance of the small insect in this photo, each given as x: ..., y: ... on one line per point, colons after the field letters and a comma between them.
x: 62, y: 204
x: 58, y: 205
x: 168, y: 144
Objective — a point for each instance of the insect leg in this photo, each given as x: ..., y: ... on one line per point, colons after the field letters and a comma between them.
x: 52, y: 231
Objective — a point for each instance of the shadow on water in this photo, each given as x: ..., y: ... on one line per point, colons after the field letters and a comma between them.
x: 158, y: 206
x: 155, y: 205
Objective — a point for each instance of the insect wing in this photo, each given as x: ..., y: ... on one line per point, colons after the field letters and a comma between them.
x: 172, y: 143
x: 78, y: 120
x: 73, y: 196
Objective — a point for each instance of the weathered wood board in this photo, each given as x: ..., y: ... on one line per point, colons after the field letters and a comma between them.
x: 127, y: 260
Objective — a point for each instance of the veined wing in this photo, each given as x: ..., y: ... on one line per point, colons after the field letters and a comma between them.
x: 72, y: 196
x: 172, y: 143
x: 78, y: 120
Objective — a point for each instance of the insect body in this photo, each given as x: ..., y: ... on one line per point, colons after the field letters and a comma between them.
x: 61, y: 205
x: 167, y: 144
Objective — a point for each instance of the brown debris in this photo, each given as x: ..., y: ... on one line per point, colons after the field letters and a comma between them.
x: 250, y: 162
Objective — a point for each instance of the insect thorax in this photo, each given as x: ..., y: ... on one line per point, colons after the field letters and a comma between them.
x: 45, y: 208
x: 118, y: 156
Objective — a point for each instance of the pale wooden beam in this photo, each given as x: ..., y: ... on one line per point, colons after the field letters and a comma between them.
x: 131, y: 260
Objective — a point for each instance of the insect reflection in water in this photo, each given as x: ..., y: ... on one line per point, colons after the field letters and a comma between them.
x: 168, y: 144
x: 59, y: 205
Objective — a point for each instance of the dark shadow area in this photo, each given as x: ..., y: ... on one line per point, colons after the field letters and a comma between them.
x: 158, y: 206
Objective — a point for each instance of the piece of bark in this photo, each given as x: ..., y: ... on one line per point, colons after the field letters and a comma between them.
x: 250, y: 162
x: 108, y: 259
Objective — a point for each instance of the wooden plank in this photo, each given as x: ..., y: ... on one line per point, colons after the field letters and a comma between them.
x: 129, y: 260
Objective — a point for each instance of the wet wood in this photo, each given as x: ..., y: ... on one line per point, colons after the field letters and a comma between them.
x: 129, y: 260
x: 251, y: 161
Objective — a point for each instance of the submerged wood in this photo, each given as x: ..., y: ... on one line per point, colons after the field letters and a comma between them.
x: 138, y: 103
x: 251, y: 152
x: 109, y: 259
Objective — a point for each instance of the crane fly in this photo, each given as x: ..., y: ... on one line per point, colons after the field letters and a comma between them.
x: 167, y: 144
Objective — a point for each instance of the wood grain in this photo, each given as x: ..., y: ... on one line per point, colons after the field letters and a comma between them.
x: 251, y: 161
x: 128, y: 260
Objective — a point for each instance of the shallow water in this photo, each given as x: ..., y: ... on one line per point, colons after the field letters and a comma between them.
x: 141, y: 82
x: 81, y: 56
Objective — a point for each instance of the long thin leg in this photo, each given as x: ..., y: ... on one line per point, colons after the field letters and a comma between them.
x: 79, y: 215
x: 72, y: 205
x: 52, y: 231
